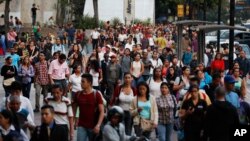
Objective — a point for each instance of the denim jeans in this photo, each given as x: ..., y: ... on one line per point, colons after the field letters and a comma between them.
x: 165, y: 131
x: 136, y: 81
x: 84, y: 134
x: 26, y: 89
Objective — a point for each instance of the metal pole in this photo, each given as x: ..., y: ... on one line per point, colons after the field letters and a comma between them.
x: 219, y: 20
x: 231, y: 33
x: 201, y: 44
x: 179, y: 41
x: 205, y: 10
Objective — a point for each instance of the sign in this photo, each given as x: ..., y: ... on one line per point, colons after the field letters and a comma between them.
x: 180, y: 10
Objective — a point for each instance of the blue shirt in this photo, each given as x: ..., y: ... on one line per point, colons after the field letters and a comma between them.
x: 146, y: 109
x: 233, y: 98
x: 15, y: 59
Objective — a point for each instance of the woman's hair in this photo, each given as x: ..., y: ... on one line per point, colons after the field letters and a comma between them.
x: 23, y: 62
x: 147, y: 87
x: 193, y: 86
x: 154, y: 72
x: 184, y: 68
x: 136, y: 55
x: 95, y: 65
x: 217, y: 55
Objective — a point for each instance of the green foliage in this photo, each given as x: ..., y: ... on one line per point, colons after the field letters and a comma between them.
x: 143, y: 22
x: 85, y: 22
x: 101, y: 24
x: 115, y: 21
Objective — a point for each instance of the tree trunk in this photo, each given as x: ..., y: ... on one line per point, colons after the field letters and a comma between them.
x: 60, y: 12
x: 96, y: 16
x: 6, y: 15
x: 78, y: 6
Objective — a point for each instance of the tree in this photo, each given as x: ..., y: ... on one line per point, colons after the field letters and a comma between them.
x: 60, y: 11
x: 78, y: 7
x: 96, y: 16
x: 6, y: 14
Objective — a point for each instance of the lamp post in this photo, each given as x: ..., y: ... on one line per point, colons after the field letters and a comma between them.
x: 219, y: 21
x: 231, y: 33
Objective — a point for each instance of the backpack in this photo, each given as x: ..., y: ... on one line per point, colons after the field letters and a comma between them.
x: 244, y: 113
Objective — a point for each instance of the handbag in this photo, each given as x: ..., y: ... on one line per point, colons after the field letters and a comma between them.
x: 146, y: 125
x: 8, y: 82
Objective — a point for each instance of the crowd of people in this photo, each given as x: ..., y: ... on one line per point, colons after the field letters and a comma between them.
x: 121, y: 83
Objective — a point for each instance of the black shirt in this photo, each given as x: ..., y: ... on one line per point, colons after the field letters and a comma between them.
x: 210, y: 91
x: 221, y: 116
x: 33, y: 10
x: 5, y: 69
x: 195, y: 120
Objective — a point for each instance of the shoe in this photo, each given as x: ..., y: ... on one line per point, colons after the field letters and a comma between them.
x: 36, y: 110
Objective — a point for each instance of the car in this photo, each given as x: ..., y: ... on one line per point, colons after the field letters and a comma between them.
x: 243, y: 37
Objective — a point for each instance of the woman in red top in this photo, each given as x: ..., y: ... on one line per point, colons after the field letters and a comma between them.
x: 218, y: 63
x: 165, y: 68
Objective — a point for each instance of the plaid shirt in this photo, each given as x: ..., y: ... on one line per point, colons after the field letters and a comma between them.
x: 165, y: 106
x: 41, y: 73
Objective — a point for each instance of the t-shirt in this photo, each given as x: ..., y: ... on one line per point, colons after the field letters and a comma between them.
x: 63, y: 109
x: 76, y: 82
x: 194, y: 121
x: 88, y: 104
x: 233, y: 98
x: 33, y: 10
x: 155, y: 87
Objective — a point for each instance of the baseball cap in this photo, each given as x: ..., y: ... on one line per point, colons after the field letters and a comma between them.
x: 229, y: 79
x: 108, y: 46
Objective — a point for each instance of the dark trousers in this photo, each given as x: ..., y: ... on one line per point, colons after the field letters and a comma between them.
x: 128, y: 122
x: 7, y: 90
x: 26, y: 89
x: 95, y: 43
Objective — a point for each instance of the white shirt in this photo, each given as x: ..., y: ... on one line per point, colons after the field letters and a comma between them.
x: 76, y: 82
x: 136, y: 65
x: 63, y: 110
x: 95, y: 77
x: 151, y: 41
x: 122, y: 37
x: 125, y: 100
x: 101, y: 56
x: 129, y: 46
x: 95, y: 35
x: 155, y: 64
x: 155, y: 87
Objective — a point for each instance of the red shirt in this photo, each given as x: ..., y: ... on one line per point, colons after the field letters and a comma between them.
x: 87, y: 105
x: 218, y: 65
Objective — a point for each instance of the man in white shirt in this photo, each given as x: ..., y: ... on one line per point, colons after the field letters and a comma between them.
x: 155, y: 61
x: 16, y: 89
x: 129, y: 44
x: 95, y: 37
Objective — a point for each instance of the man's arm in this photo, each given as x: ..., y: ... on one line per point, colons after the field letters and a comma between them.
x: 100, y: 119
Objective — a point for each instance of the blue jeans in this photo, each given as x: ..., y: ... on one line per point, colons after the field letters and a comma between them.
x: 136, y: 81
x: 26, y: 89
x: 84, y: 134
x: 165, y: 131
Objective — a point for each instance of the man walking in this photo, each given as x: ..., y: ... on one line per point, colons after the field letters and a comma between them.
x: 59, y: 72
x: 91, y: 110
x: 41, y: 79
x: 33, y: 13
